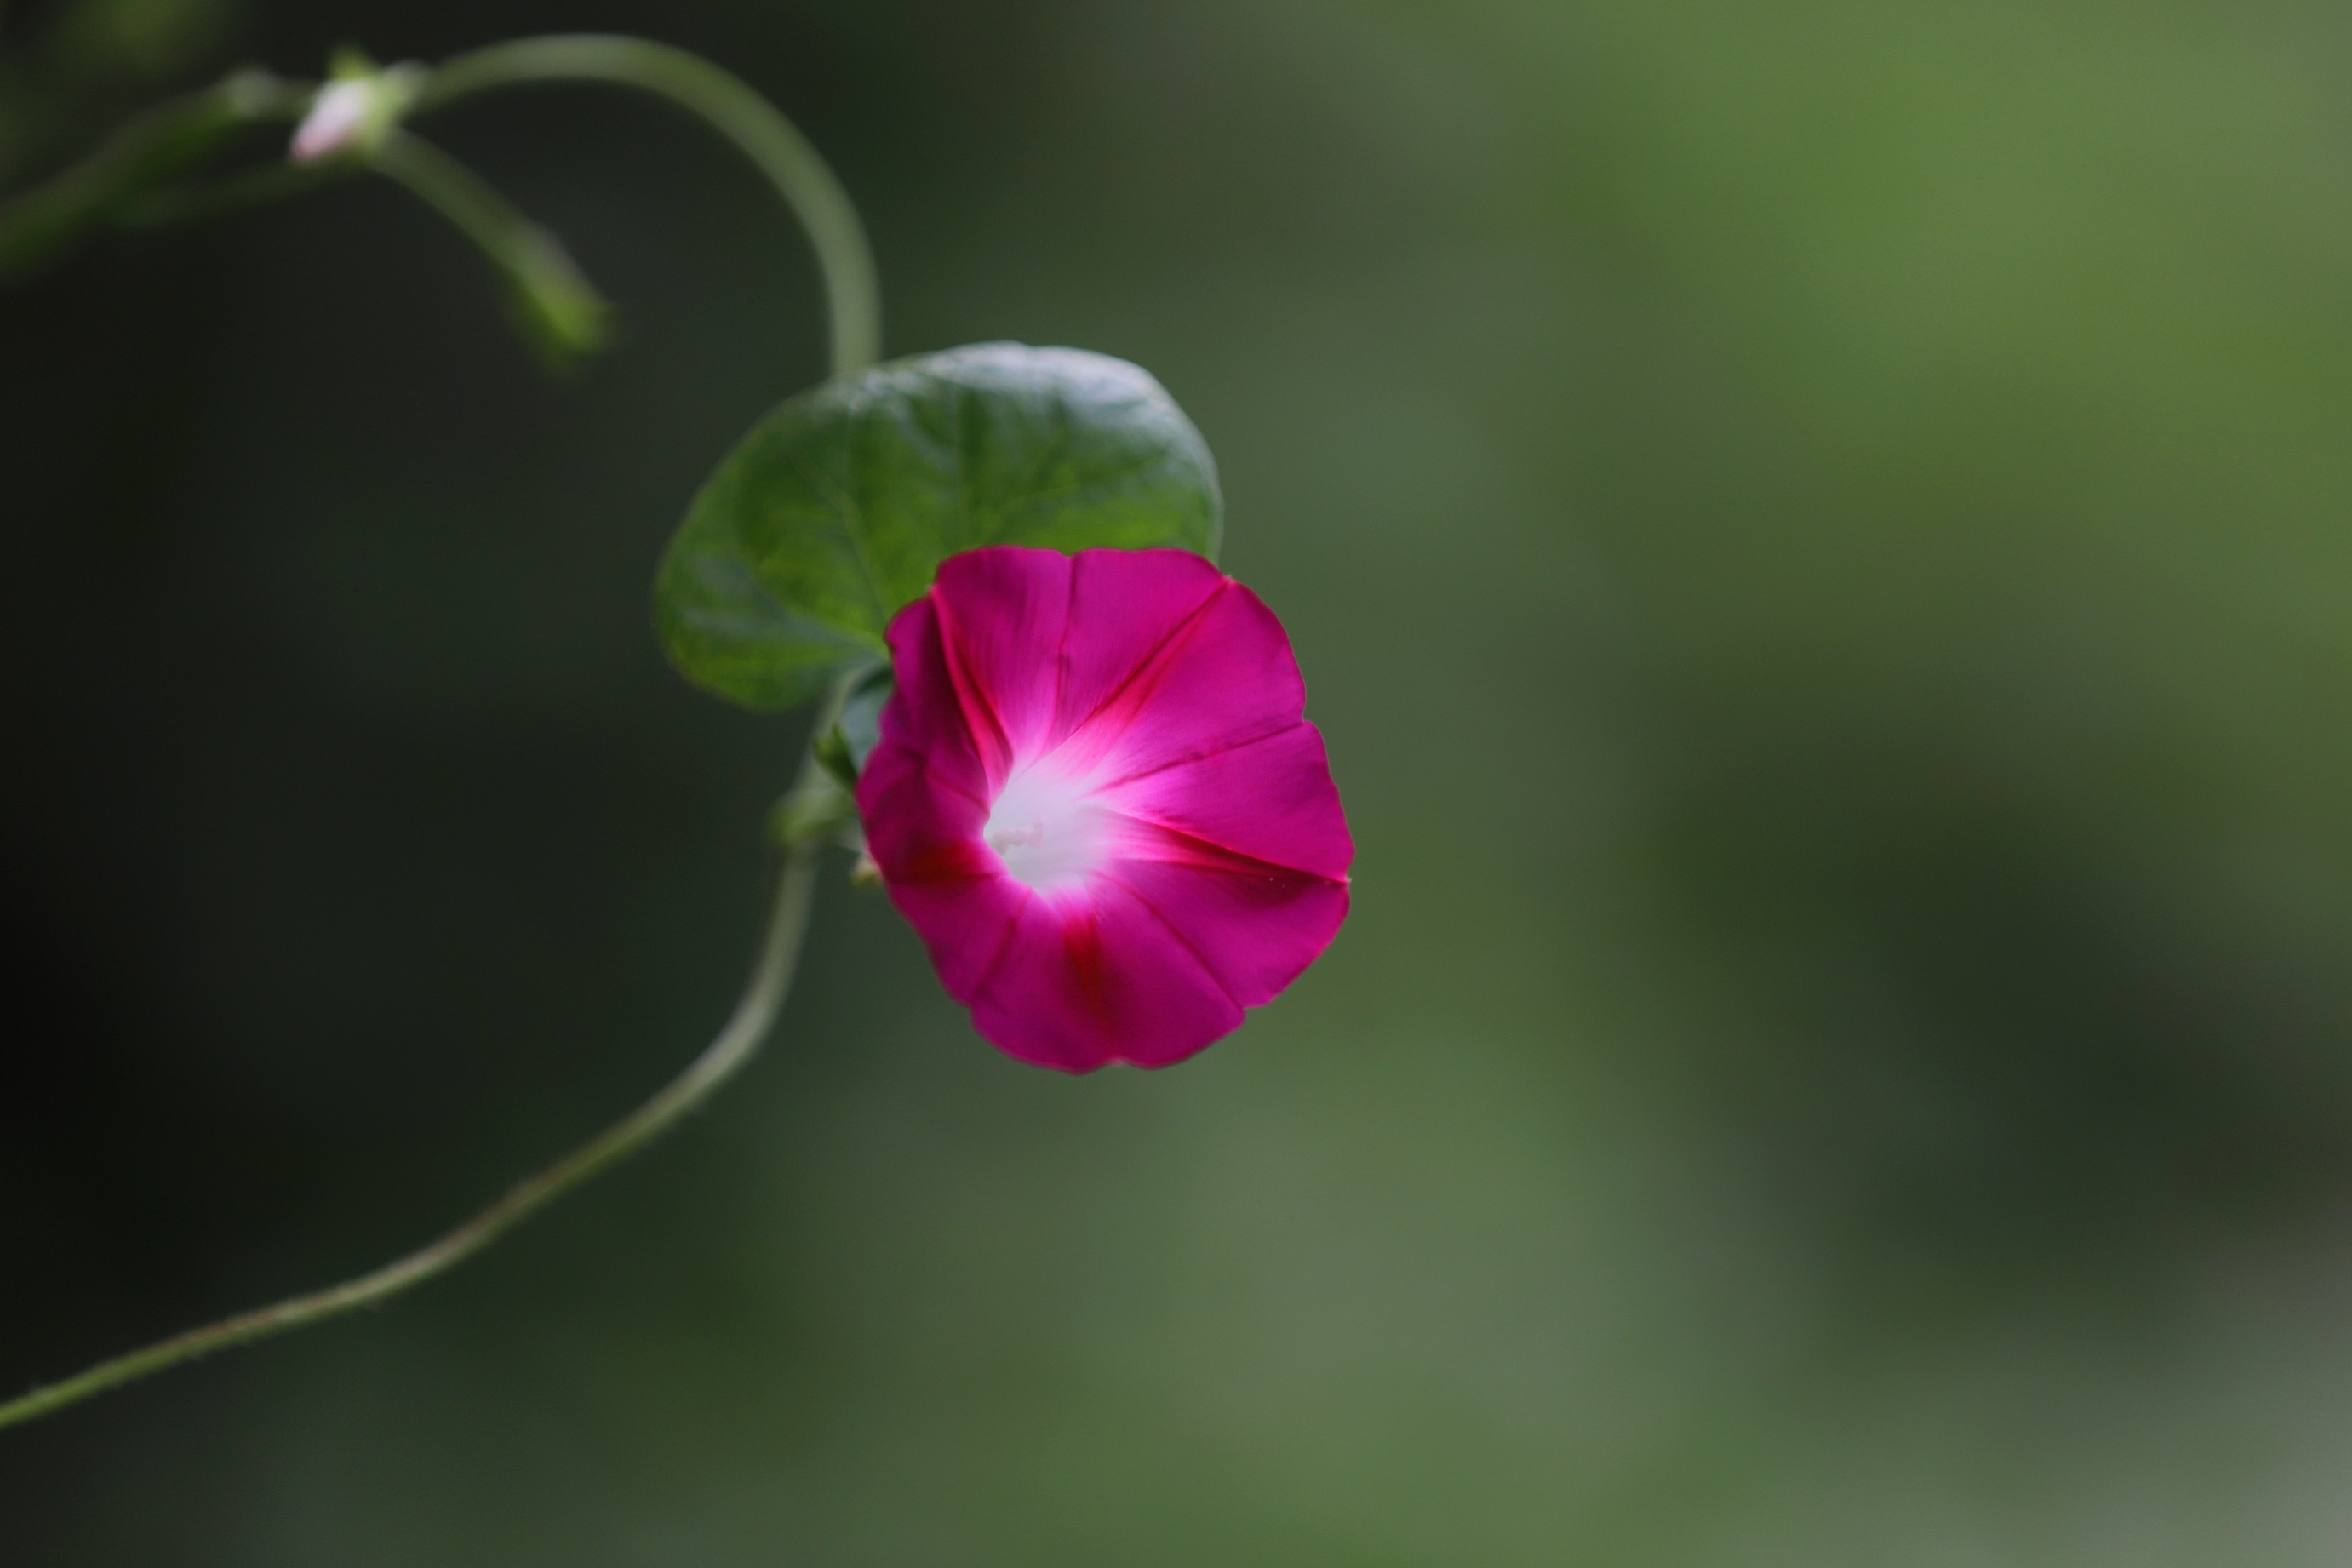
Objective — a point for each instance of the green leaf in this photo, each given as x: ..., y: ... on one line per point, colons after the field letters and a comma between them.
x: 840, y: 505
x: 849, y: 740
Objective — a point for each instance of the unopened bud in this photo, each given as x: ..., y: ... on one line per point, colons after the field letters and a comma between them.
x: 353, y: 113
x: 338, y: 116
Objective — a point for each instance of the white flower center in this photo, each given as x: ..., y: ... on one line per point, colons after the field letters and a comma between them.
x: 1046, y: 829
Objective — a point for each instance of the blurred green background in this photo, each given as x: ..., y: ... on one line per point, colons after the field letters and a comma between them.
x: 1820, y: 538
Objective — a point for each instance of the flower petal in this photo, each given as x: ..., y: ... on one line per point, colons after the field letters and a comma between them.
x: 950, y: 887
x: 1003, y: 613
x: 1271, y: 799
x: 1224, y: 677
x: 1253, y: 926
x: 925, y: 718
x: 1099, y: 978
x: 1125, y: 607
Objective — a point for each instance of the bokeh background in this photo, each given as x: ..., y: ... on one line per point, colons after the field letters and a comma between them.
x: 1821, y: 539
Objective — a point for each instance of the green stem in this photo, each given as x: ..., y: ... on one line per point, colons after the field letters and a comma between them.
x: 558, y: 308
x: 167, y: 141
x: 456, y: 193
x: 258, y: 188
x: 764, y: 997
x: 181, y: 135
x: 845, y: 261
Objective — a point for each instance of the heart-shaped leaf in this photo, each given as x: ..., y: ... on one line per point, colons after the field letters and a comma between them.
x: 840, y: 505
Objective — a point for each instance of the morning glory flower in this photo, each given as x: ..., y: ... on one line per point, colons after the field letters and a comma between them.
x: 1097, y: 800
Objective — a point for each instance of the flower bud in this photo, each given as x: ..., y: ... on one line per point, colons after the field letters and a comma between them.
x: 353, y: 113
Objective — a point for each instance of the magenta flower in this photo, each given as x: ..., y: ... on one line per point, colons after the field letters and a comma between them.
x: 1097, y: 800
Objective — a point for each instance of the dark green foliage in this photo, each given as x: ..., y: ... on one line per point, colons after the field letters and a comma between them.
x: 839, y: 506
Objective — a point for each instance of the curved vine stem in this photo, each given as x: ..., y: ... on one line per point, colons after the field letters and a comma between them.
x: 725, y: 103
x: 129, y: 180
x: 755, y: 1014
x: 852, y: 294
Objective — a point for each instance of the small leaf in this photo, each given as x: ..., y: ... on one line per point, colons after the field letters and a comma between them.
x: 861, y: 715
x: 849, y: 740
x: 839, y: 507
x: 831, y: 750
